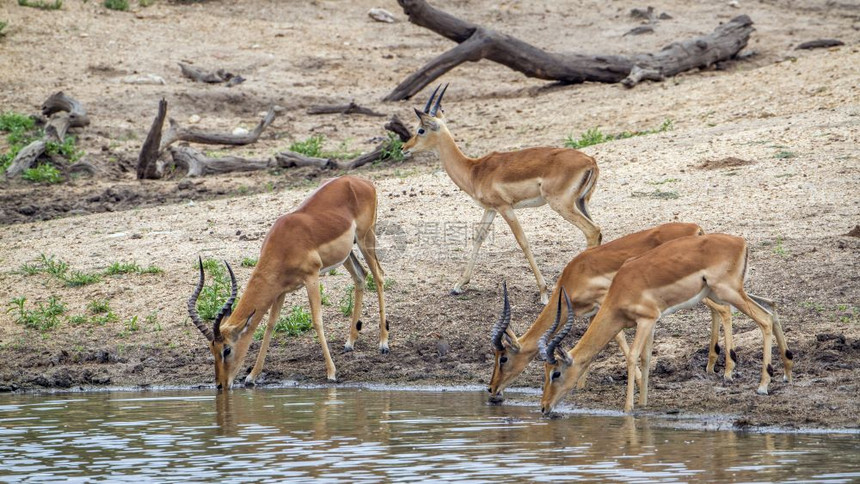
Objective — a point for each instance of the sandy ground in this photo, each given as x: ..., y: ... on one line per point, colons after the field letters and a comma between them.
x: 791, y: 117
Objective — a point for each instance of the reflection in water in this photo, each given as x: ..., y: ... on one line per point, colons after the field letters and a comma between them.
x: 350, y: 433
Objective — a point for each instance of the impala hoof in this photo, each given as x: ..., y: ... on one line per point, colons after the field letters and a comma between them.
x: 383, y: 348
x: 761, y: 390
x: 250, y: 383
x: 456, y: 291
x: 348, y: 348
x: 332, y: 378
x: 496, y: 400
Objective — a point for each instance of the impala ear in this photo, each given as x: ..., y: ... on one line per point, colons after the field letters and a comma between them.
x: 247, y: 324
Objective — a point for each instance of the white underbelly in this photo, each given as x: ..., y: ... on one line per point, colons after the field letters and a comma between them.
x: 687, y: 304
x: 531, y: 202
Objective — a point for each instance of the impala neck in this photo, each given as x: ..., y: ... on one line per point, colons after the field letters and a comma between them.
x: 599, y: 333
x: 456, y: 164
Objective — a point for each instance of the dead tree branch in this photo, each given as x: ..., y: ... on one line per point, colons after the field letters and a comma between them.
x: 64, y: 112
x: 477, y: 43
x: 216, y: 77
x: 350, y: 108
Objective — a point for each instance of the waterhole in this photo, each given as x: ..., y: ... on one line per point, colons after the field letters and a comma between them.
x: 353, y: 434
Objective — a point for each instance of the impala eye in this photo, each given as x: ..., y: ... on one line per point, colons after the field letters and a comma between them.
x: 227, y: 351
x: 503, y: 359
x: 555, y: 375
x: 421, y: 131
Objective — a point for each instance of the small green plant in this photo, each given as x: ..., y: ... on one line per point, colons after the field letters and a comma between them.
x: 2, y: 28
x: 152, y: 320
x: 393, y: 149
x: 249, y: 262
x: 778, y: 248
x: 146, y: 3
x: 42, y: 4
x: 78, y: 320
x: 55, y: 267
x: 309, y: 147
x: 371, y: 284
x: 347, y: 302
x: 214, y: 295
x: 298, y: 321
x: 80, y: 278
x: 67, y: 149
x: 30, y: 269
x: 658, y: 194
x: 594, y: 136
x: 151, y: 270
x: 11, y: 121
x: 324, y: 299
x: 43, y: 173
x: 99, y: 306
x: 122, y: 268
x: 131, y: 324
x: 783, y: 155
x: 121, y: 5
x: 43, y: 318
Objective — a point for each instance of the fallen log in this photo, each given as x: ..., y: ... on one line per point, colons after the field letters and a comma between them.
x: 350, y: 108
x: 476, y: 43
x: 195, y: 163
x: 157, y: 142
x: 215, y: 77
x: 64, y: 112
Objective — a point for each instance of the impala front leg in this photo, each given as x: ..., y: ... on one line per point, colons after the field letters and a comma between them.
x: 514, y: 224
x: 480, y: 235
x: 274, y: 313
x: 312, y: 284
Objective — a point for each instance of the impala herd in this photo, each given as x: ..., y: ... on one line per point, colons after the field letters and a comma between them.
x: 630, y: 282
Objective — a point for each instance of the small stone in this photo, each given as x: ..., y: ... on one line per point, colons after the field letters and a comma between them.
x: 240, y: 132
x: 194, y: 119
x: 381, y: 15
x: 735, y: 4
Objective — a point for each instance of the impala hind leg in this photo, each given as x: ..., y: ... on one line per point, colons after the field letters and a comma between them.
x: 576, y: 213
x: 721, y: 315
x: 312, y: 284
x: 785, y: 353
x: 645, y: 359
x: 514, y: 224
x: 765, y: 321
x: 274, y: 313
x: 480, y: 235
x: 353, y: 266
x: 367, y: 245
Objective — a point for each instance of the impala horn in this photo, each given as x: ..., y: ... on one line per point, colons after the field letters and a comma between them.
x: 543, y: 339
x: 430, y: 101
x: 505, y: 319
x: 227, y: 309
x: 551, y: 348
x: 438, y: 101
x: 192, y: 306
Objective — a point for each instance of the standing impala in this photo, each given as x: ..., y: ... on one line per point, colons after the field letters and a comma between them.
x: 673, y: 276
x: 586, y: 280
x: 501, y: 182
x: 315, y: 238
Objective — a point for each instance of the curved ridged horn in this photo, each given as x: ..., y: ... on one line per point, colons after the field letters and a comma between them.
x: 505, y: 319
x: 227, y: 308
x: 192, y: 306
x: 438, y: 101
x: 553, y: 345
x: 430, y: 101
x: 543, y: 339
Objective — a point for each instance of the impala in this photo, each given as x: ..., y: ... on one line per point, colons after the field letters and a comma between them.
x: 315, y: 238
x: 672, y: 276
x: 586, y: 279
x: 501, y: 182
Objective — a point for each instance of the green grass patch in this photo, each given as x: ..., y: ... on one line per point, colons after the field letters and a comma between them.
x: 309, y: 147
x: 784, y: 155
x: 658, y: 194
x: 99, y: 306
x: 216, y: 293
x: 122, y: 268
x: 80, y: 278
x: 347, y: 302
x: 3, y: 28
x: 43, y: 173
x: 249, y: 262
x: 44, y: 317
x: 295, y: 323
x: 121, y: 5
x: 11, y: 121
x: 42, y: 4
x: 67, y: 149
x: 371, y: 284
x: 594, y: 136
x: 393, y: 149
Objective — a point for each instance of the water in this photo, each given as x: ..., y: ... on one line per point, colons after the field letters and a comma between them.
x: 354, y: 434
